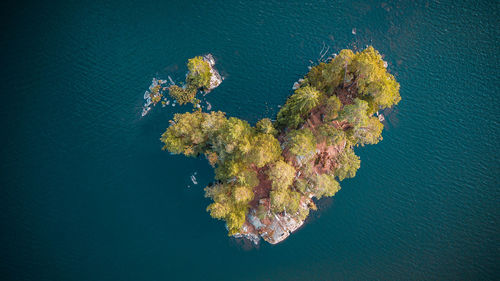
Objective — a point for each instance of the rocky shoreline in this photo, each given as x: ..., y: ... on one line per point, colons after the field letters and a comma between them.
x: 273, y: 231
x: 215, y: 78
x: 159, y: 88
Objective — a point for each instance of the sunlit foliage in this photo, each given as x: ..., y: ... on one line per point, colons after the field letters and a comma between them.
x: 298, y: 106
x: 265, y: 149
x: 304, y: 154
x: 281, y: 174
x: 301, y: 142
x: 365, y: 129
x: 198, y: 77
x: 348, y: 164
x: 325, y: 185
x: 332, y: 108
x: 373, y: 79
x: 199, y: 73
x: 182, y: 95
x: 265, y: 126
x: 328, y: 76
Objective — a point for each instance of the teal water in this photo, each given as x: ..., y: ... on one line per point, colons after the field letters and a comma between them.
x: 87, y: 194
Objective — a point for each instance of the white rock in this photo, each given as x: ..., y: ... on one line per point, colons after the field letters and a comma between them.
x: 215, y: 78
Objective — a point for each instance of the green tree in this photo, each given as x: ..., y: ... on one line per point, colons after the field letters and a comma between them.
x: 373, y: 79
x: 301, y: 142
x: 370, y: 132
x: 305, y: 99
x: 199, y: 73
x: 248, y: 178
x: 281, y: 175
x: 298, y: 106
x: 293, y: 202
x: 265, y: 148
x: 348, y: 163
x: 301, y: 185
x: 356, y: 113
x: 242, y: 194
x: 230, y: 204
x: 337, y: 68
x: 332, y: 108
x: 219, y: 210
x: 366, y: 130
x: 278, y: 200
x: 198, y: 77
x: 316, y: 76
x: 325, y: 185
x: 235, y: 221
x: 261, y: 211
x: 329, y: 134
x: 181, y: 95
x: 234, y: 137
x: 230, y: 168
x: 285, y: 200
x: 288, y: 118
x: 213, y: 123
x: 265, y: 126
x: 222, y: 205
x: 326, y: 77
x: 185, y: 134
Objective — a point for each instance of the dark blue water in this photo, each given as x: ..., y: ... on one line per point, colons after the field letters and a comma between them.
x: 87, y: 194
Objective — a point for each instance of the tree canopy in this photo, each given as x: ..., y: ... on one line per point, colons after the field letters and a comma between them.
x: 199, y: 73
x: 273, y: 169
x: 348, y: 164
x: 373, y: 79
x: 266, y: 126
x: 281, y: 174
x: 198, y: 77
x: 365, y: 129
x: 301, y: 142
x: 325, y: 185
x: 298, y: 105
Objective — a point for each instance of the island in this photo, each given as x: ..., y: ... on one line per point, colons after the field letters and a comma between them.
x: 268, y: 176
x: 201, y: 76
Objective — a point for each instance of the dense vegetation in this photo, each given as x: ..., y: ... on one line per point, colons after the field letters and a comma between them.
x: 275, y: 168
x: 197, y: 78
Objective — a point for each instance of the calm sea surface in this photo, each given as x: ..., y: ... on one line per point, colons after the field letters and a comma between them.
x: 87, y: 194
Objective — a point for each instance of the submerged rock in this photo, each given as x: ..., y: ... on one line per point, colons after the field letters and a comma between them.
x: 153, y: 95
x: 193, y: 179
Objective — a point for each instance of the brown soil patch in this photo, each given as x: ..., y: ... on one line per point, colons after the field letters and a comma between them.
x: 290, y: 158
x: 342, y: 125
x: 347, y: 94
x: 316, y: 117
x: 326, y: 158
x: 263, y: 188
